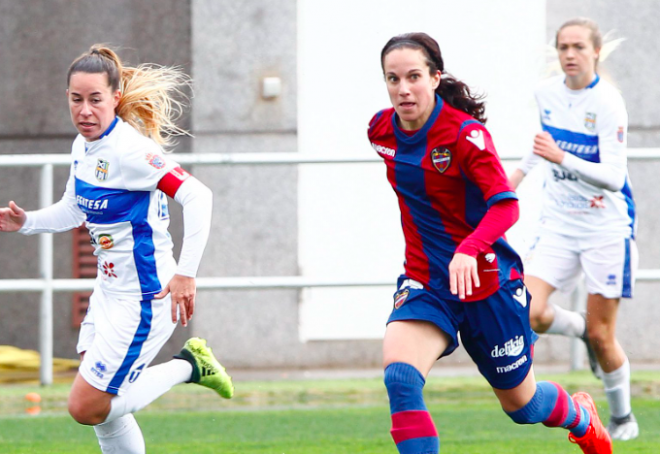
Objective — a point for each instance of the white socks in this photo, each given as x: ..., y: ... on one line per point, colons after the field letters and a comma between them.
x: 123, y: 435
x: 120, y: 432
x: 567, y: 323
x: 617, y: 390
x: 152, y: 383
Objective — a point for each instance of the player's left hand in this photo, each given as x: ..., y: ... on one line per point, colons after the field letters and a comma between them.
x: 463, y: 276
x: 183, y: 290
x: 546, y: 147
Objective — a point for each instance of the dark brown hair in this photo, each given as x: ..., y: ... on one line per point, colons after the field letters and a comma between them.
x: 451, y: 90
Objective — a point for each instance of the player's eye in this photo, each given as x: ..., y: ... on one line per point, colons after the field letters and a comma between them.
x: 392, y: 79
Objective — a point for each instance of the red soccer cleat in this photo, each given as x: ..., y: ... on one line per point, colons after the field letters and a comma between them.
x: 596, y: 440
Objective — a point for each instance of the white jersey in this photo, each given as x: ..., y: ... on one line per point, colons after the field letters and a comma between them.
x: 590, y: 124
x: 114, y: 183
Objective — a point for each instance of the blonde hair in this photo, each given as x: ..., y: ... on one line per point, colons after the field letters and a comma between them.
x: 152, y: 96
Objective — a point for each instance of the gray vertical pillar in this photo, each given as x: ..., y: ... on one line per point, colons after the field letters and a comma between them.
x: 235, y: 46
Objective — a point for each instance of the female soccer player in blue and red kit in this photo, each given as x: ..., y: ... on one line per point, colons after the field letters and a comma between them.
x: 460, y: 273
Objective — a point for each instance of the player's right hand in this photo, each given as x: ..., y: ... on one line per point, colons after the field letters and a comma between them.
x: 12, y: 218
x: 463, y: 275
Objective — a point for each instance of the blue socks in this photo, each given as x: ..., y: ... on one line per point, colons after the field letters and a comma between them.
x: 552, y: 406
x: 413, y: 430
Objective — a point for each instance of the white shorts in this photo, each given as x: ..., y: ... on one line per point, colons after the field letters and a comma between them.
x: 609, y: 264
x: 121, y: 337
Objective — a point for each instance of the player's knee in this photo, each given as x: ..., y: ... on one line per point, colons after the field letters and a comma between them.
x: 85, y: 414
x: 522, y: 417
x: 541, y: 319
x: 536, y: 410
x: 402, y: 380
x: 601, y: 338
x: 535, y: 321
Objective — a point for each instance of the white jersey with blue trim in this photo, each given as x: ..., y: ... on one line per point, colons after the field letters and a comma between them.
x: 590, y: 124
x: 115, y: 183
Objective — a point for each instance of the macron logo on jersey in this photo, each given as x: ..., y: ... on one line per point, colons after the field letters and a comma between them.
x: 383, y: 150
x: 93, y: 205
x: 476, y: 136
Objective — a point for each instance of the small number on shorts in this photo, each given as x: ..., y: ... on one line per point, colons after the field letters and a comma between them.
x: 135, y: 373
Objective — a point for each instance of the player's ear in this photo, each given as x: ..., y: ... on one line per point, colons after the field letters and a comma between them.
x: 435, y: 79
x: 116, y: 97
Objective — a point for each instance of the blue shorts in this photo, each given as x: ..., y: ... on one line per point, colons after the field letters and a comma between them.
x: 495, y: 331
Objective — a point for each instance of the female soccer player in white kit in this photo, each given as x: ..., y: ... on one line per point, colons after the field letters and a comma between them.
x: 117, y: 185
x: 588, y: 217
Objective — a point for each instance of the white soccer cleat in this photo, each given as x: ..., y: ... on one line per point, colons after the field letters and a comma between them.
x: 623, y: 429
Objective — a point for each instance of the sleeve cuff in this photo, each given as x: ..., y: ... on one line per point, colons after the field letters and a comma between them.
x: 501, y: 196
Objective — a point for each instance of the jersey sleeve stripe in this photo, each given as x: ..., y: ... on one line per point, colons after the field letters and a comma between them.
x: 466, y: 123
x: 501, y: 196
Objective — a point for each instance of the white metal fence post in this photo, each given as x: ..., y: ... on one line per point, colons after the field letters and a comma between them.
x: 47, y: 285
x: 46, y: 271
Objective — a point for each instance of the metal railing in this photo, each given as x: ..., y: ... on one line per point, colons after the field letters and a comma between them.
x: 46, y: 285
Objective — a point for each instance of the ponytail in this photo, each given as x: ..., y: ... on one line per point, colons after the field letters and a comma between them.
x: 454, y: 92
x: 458, y: 95
x: 152, y: 96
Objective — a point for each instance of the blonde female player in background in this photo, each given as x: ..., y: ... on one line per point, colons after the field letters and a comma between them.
x: 588, y: 216
x: 117, y: 185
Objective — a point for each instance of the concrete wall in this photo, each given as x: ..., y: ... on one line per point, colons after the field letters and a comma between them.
x: 228, y: 47
x: 255, y: 227
x: 38, y: 41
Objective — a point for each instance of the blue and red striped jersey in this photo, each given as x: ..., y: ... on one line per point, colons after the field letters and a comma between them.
x: 446, y: 175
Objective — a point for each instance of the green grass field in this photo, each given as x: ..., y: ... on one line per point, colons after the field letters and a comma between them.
x: 315, y: 417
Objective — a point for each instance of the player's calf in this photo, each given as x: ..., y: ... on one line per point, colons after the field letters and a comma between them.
x: 552, y: 406
x: 413, y: 430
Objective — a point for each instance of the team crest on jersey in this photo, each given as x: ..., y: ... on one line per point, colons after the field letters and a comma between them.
x: 441, y: 158
x: 590, y: 121
x: 619, y: 134
x: 155, y: 161
x: 102, y: 169
x: 400, y: 297
x: 106, y: 241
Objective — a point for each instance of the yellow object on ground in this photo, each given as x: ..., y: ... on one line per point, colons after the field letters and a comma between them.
x: 17, y: 365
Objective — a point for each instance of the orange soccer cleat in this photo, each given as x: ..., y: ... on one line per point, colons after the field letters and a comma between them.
x: 596, y: 440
